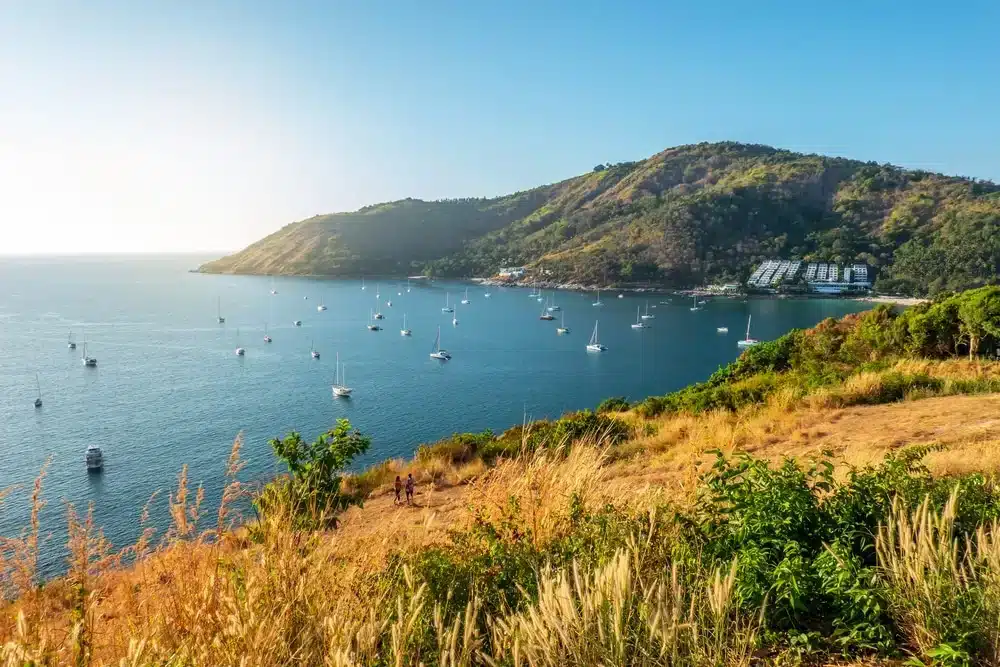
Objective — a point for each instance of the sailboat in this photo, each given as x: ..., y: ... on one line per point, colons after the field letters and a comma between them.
x: 639, y: 324
x: 447, y: 308
x: 407, y: 284
x: 646, y: 315
x: 598, y: 302
x: 273, y: 291
x: 86, y: 359
x: 388, y: 304
x: 487, y: 295
x: 546, y: 315
x: 465, y: 301
x: 340, y: 387
x: 438, y: 353
x: 595, y: 343
x: 454, y: 321
x: 404, y: 331
x: 621, y: 296
x: 695, y: 307
x: 297, y: 323
x: 70, y: 343
x: 562, y: 325
x: 38, y: 401
x: 321, y: 307
x: 721, y: 329
x: 362, y: 284
x: 748, y: 341
x: 377, y: 295
x: 554, y: 308
x: 267, y: 338
x: 221, y: 319
x: 313, y: 351
x: 239, y: 350
x: 378, y: 315
x: 372, y: 326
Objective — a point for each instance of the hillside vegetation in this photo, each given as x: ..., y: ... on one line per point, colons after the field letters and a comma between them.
x: 828, y: 498
x: 691, y: 214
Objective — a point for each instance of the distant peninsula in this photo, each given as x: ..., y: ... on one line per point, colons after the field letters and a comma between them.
x: 687, y: 216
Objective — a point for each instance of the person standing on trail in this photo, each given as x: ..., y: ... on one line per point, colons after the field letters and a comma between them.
x: 410, y: 485
x: 399, y: 489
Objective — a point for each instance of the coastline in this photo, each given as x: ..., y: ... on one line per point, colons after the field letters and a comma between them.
x: 892, y: 300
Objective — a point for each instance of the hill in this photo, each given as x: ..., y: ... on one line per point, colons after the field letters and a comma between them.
x: 687, y: 215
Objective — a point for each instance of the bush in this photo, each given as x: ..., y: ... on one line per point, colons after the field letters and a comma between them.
x: 613, y: 404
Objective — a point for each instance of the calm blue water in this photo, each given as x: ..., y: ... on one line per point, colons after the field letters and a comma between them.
x: 169, y: 390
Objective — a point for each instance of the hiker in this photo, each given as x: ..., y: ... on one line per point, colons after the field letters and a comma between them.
x: 410, y: 484
x: 398, y: 487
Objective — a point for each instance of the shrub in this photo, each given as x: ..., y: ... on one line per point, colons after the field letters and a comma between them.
x: 613, y: 404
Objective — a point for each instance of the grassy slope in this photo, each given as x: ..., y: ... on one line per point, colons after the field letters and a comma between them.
x: 706, y: 211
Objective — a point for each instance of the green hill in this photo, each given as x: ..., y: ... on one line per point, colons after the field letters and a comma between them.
x: 705, y: 212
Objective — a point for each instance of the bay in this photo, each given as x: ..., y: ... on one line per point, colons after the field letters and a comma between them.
x: 169, y: 390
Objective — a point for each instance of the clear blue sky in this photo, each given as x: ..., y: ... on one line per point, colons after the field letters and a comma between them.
x: 164, y: 126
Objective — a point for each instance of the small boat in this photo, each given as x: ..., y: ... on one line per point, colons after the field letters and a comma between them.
x: 647, y: 316
x: 71, y: 344
x: 363, y: 284
x: 86, y: 359
x: 407, y: 284
x: 598, y: 302
x: 563, y: 329
x: 702, y: 302
x: 695, y: 307
x: 378, y: 315
x: 388, y: 304
x: 486, y: 295
x: 595, y: 343
x: 721, y: 329
x: 95, y: 458
x: 748, y: 341
x: 321, y: 307
x: 305, y: 298
x: 404, y: 331
x: 239, y: 350
x: 219, y: 316
x: 621, y: 296
x: 377, y: 294
x: 639, y: 324
x: 454, y: 321
x: 267, y: 338
x: 340, y: 387
x: 312, y: 351
x: 554, y: 308
x: 273, y: 291
x: 372, y: 326
x: 447, y: 307
x: 465, y: 301
x: 438, y: 353
x: 297, y: 323
x: 38, y: 401
x: 546, y: 315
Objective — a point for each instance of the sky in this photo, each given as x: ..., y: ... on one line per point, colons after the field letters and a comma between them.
x: 202, y: 126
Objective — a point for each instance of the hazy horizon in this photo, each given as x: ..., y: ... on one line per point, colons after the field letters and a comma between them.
x: 191, y: 129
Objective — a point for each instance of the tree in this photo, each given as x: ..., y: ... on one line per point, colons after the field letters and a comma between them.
x: 312, y: 487
x: 979, y: 314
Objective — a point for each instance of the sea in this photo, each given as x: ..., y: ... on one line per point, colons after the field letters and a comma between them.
x: 169, y: 390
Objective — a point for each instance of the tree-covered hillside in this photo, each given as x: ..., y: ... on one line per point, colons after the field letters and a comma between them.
x: 690, y: 214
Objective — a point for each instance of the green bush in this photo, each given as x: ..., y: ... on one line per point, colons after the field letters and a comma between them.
x: 613, y: 404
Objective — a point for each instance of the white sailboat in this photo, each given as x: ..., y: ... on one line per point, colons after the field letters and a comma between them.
x: 404, y: 331
x: 721, y: 329
x: 621, y: 296
x: 695, y: 307
x: 372, y: 325
x: 38, y: 385
x: 71, y: 344
x: 646, y: 315
x: 454, y: 321
x: 563, y: 329
x: 313, y: 351
x: 595, y: 343
x: 378, y: 315
x: 438, y: 353
x: 340, y: 387
x: 321, y: 307
x: 465, y: 301
x: 377, y: 294
x: 639, y: 324
x: 487, y: 295
x: 273, y: 291
x: 297, y: 323
x: 219, y: 316
x: 407, y: 284
x: 267, y: 338
x: 553, y: 308
x: 447, y: 307
x: 546, y: 315
x: 363, y: 284
x: 86, y: 359
x: 748, y: 341
x: 239, y: 350
x: 598, y: 302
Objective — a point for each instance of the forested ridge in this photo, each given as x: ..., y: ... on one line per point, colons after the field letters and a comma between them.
x: 688, y: 215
